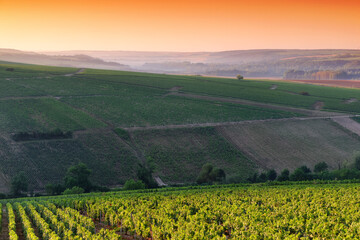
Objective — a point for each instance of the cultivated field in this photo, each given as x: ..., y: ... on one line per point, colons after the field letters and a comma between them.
x: 290, y: 144
x: 334, y: 83
x: 319, y: 211
x: 93, y: 103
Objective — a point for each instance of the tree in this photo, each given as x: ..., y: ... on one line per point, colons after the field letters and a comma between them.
x: 262, y: 177
x: 144, y: 173
x: 320, y: 167
x: 302, y: 173
x: 19, y: 184
x: 54, y: 189
x: 284, y: 175
x: 209, y: 174
x: 78, y: 176
x: 271, y: 175
x: 240, y: 77
x: 357, y: 160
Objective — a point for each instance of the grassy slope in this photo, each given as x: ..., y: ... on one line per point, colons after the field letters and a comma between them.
x: 97, y: 101
x: 291, y: 144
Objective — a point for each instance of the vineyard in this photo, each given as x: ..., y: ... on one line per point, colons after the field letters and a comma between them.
x: 317, y: 211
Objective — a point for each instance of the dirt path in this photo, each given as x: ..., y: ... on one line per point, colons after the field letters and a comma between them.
x: 19, y: 229
x: 194, y: 125
x: 349, y: 124
x: 4, y: 225
x: 81, y: 70
x: 312, y: 113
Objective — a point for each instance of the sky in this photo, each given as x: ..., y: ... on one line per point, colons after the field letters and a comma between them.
x: 179, y: 25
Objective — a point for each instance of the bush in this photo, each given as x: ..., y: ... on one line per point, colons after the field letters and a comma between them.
x: 10, y: 69
x: 240, y: 77
x: 74, y: 190
x: 55, y: 134
x: 305, y: 93
x: 133, y: 185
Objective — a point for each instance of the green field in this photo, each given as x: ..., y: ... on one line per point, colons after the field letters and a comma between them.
x: 179, y: 154
x: 93, y: 103
x: 318, y: 211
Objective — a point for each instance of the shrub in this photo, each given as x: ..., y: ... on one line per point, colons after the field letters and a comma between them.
x: 133, y: 185
x: 305, y: 93
x: 74, y: 190
x: 240, y: 77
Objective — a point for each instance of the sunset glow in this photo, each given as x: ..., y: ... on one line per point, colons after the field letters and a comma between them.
x: 186, y: 25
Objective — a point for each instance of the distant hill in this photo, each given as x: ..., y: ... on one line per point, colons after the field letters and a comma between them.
x: 78, y: 60
x: 251, y: 63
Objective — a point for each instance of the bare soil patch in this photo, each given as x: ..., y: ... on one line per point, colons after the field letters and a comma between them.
x: 318, y: 105
x: 351, y: 100
x: 293, y: 143
x: 175, y: 89
x: 349, y: 124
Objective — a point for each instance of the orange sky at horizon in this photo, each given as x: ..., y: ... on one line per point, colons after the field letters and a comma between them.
x: 173, y: 25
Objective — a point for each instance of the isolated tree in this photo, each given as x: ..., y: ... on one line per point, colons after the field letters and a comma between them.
x: 320, y: 167
x: 271, y: 175
x: 209, y: 174
x: 19, y: 184
x: 78, y: 176
x: 284, y: 175
x: 240, y: 77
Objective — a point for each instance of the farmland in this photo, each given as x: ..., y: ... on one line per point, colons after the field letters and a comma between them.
x: 167, y: 118
x: 322, y: 211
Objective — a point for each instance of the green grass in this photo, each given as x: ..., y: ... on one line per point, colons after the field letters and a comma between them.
x: 178, y: 155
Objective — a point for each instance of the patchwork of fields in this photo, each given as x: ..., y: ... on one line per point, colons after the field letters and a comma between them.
x: 93, y: 103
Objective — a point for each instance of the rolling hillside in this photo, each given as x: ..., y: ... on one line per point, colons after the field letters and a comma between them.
x: 177, y: 122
